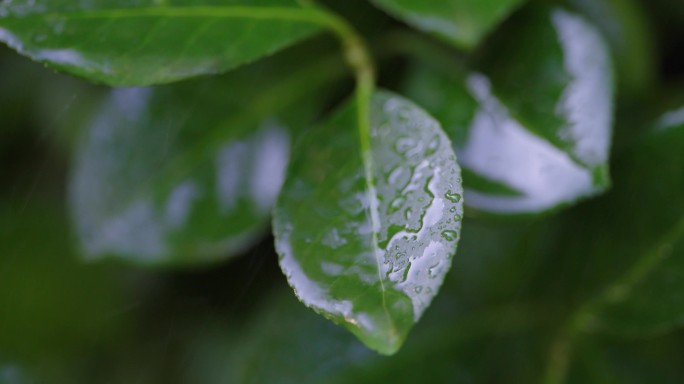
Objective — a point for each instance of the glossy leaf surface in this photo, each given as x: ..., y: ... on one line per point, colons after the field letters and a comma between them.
x: 649, y: 296
x: 371, y: 254
x: 533, y: 132
x: 187, y: 173
x: 461, y: 22
x: 144, y: 42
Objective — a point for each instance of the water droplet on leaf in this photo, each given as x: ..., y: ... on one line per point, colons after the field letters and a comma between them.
x: 453, y: 197
x: 449, y: 235
x: 396, y: 204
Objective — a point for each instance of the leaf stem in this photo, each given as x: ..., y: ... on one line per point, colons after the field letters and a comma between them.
x: 359, y: 59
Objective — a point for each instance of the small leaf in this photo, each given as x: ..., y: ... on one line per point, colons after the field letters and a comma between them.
x: 146, y: 42
x: 461, y: 22
x: 371, y: 254
x: 188, y: 173
x: 533, y: 132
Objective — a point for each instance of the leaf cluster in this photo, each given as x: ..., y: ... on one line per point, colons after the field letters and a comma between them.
x: 540, y: 139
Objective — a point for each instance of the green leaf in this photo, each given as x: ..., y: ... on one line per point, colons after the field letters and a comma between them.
x: 371, y: 254
x: 461, y: 22
x: 145, y: 42
x: 553, y: 70
x: 623, y: 23
x: 188, y: 173
x: 532, y: 130
x: 649, y: 296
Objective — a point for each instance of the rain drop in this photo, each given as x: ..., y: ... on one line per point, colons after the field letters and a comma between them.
x: 433, y: 145
x: 453, y: 197
x: 396, y: 204
x: 395, y: 176
x: 449, y: 235
x: 433, y: 270
x: 404, y: 144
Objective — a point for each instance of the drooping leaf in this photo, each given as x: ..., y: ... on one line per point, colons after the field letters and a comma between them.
x: 532, y: 131
x: 648, y: 214
x: 371, y: 254
x: 144, y: 42
x: 461, y: 22
x: 188, y: 173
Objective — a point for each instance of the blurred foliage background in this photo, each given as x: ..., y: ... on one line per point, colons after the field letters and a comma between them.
x: 513, y: 282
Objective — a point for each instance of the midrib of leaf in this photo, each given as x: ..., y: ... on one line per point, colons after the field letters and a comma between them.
x: 562, y: 348
x: 364, y: 93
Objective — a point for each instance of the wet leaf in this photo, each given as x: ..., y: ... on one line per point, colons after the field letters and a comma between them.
x: 188, y: 173
x: 146, y: 42
x: 371, y: 254
x: 461, y: 22
x: 533, y: 130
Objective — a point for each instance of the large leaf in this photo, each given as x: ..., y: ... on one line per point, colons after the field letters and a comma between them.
x: 462, y: 22
x: 188, y: 173
x: 648, y: 212
x: 532, y: 132
x: 141, y: 42
x: 371, y: 254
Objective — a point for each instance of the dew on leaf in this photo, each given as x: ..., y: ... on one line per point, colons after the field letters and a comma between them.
x: 453, y: 197
x: 449, y: 235
x: 396, y: 204
x: 404, y: 144
x: 433, y: 146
